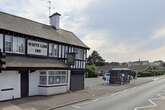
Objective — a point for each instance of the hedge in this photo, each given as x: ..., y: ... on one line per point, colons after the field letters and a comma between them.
x: 151, y: 73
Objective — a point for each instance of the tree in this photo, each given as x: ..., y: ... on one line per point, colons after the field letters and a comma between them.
x: 91, y: 71
x: 95, y: 59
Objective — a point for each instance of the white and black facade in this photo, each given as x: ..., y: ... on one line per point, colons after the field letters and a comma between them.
x: 36, y: 58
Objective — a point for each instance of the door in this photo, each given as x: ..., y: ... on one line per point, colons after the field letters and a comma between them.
x: 77, y: 80
x: 24, y: 84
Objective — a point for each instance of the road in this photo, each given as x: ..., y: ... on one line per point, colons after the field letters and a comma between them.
x: 125, y: 100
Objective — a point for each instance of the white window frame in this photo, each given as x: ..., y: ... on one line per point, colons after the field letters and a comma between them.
x: 63, y: 51
x: 59, y: 51
x: 17, y: 45
x: 11, y: 38
x: 47, y: 77
x: 52, y: 51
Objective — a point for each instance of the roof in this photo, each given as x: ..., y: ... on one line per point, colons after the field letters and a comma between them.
x: 139, y: 68
x: 32, y: 28
x: 19, y: 62
x: 108, y: 67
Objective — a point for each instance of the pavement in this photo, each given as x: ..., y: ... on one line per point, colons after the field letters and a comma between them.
x: 94, y: 88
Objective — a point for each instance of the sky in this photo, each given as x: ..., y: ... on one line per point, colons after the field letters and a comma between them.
x: 120, y: 30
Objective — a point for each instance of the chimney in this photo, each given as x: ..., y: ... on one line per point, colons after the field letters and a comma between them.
x: 55, y: 20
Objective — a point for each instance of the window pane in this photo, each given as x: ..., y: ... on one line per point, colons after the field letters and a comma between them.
x: 1, y: 42
x: 19, y: 45
x: 42, y: 73
x: 52, y: 73
x: 53, y: 50
x: 60, y: 51
x: 57, y: 77
x: 51, y: 79
x: 63, y: 79
x: 43, y: 80
x: 8, y: 43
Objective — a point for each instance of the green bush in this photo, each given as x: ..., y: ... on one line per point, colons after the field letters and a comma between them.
x: 151, y: 73
x: 91, y: 71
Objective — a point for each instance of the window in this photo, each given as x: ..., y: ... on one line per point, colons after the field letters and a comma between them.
x: 14, y: 44
x: 18, y: 45
x: 53, y: 50
x: 53, y: 78
x: 8, y: 43
x: 79, y: 53
x: 66, y: 51
x: 60, y: 51
x: 1, y: 42
x: 43, y: 78
x: 57, y: 77
x: 63, y: 51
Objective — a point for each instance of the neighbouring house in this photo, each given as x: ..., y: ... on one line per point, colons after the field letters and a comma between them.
x: 138, y: 66
x: 158, y: 63
x: 136, y: 63
x: 37, y: 58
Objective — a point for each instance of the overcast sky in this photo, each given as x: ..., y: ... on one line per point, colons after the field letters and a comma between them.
x: 120, y: 30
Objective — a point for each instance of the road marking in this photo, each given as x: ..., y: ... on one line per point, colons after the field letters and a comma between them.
x: 149, y: 106
x: 153, y: 104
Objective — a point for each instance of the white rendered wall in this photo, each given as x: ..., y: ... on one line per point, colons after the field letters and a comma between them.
x: 34, y: 88
x: 53, y: 90
x: 9, y: 79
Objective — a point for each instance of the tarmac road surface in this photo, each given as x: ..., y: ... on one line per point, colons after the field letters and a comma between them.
x: 128, y: 99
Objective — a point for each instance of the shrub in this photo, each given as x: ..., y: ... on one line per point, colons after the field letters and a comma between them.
x: 91, y: 71
x: 151, y: 73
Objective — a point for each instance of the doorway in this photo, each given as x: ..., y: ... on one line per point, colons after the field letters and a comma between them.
x: 24, y: 84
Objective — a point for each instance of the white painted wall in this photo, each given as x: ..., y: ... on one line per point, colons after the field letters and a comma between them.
x: 9, y: 79
x: 52, y: 90
x: 34, y: 88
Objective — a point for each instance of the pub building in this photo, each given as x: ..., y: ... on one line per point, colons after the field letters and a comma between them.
x: 40, y: 59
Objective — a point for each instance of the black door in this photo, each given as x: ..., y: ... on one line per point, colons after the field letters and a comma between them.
x: 77, y: 80
x: 24, y: 84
